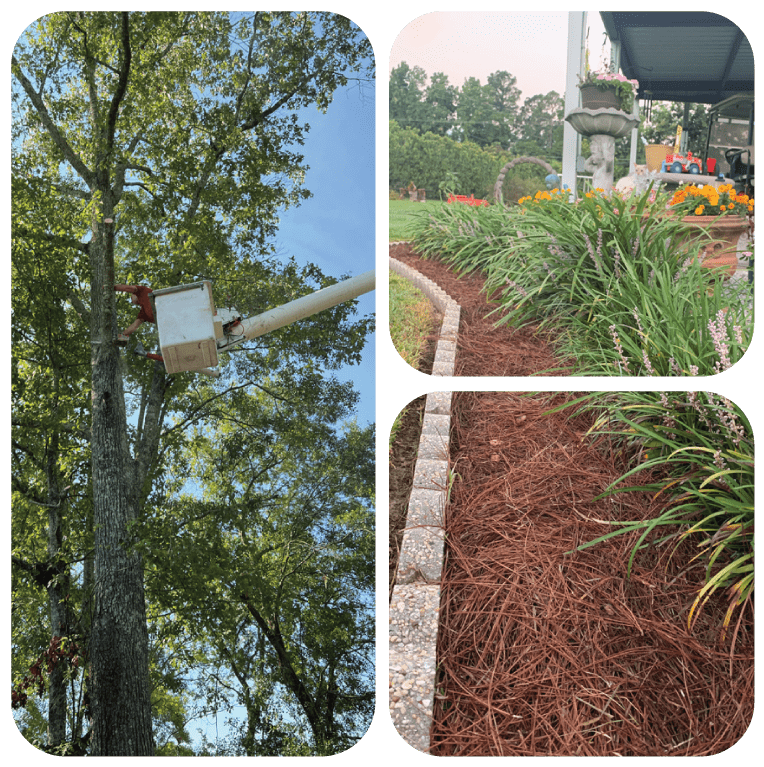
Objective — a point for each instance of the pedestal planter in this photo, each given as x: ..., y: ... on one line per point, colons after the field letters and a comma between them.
x: 606, y: 122
x: 721, y: 252
x: 604, y: 126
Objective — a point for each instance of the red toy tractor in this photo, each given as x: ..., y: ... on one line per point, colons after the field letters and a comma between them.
x: 678, y: 163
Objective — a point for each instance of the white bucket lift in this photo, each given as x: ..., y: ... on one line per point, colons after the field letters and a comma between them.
x: 189, y: 326
x: 192, y: 331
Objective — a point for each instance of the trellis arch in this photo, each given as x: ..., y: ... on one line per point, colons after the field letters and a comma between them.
x: 511, y: 164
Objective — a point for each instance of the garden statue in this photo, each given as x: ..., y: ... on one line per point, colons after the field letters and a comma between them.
x: 600, y: 162
x: 603, y: 127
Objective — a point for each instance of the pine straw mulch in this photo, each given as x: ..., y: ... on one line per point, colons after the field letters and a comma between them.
x: 483, y: 349
x: 543, y: 652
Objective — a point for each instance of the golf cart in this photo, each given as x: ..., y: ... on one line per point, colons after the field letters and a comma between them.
x: 730, y: 140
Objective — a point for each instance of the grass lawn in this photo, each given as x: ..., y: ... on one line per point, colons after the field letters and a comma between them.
x: 401, y: 214
x: 411, y: 320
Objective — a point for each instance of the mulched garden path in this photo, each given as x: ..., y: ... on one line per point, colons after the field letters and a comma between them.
x: 547, y: 652
x: 485, y: 350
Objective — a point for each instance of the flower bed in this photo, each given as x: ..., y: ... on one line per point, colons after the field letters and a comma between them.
x: 466, y: 200
x: 618, y: 283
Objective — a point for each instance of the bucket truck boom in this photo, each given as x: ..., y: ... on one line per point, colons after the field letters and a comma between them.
x: 192, y: 331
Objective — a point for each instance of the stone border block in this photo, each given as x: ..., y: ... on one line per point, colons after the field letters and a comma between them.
x: 415, y: 603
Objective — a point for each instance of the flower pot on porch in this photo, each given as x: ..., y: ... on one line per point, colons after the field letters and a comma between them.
x: 721, y: 251
x: 655, y: 154
x: 593, y: 97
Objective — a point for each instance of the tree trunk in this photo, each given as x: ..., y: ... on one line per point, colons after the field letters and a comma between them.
x: 59, y: 617
x: 119, y: 683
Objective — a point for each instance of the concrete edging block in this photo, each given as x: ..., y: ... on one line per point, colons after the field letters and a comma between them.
x: 415, y: 602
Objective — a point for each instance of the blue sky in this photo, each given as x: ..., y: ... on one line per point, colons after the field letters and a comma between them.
x: 335, y: 228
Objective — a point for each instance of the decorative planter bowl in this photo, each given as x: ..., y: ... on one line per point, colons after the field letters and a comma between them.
x: 602, y: 122
x: 721, y: 252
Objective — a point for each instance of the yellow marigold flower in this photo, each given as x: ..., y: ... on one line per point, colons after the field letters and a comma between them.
x: 724, y: 207
x: 699, y: 210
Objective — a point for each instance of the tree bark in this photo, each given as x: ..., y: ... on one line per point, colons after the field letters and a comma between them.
x: 119, y: 658
x: 57, y: 591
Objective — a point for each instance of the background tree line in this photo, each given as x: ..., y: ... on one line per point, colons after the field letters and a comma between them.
x: 486, y: 115
x: 487, y: 125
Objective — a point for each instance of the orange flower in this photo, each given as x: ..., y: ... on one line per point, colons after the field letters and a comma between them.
x: 699, y: 210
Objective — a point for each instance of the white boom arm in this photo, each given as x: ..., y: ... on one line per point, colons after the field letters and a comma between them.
x: 192, y: 331
x: 298, y: 309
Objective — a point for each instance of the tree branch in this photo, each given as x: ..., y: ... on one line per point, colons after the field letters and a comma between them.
x: 35, y: 424
x: 55, y: 239
x: 292, y: 679
x: 119, y: 93
x: 79, y: 307
x: 42, y: 111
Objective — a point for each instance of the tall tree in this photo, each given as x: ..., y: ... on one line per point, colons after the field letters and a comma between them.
x: 475, y: 114
x: 406, y: 96
x: 171, y: 138
x: 275, y: 566
x: 540, y: 126
x: 502, y: 86
x: 441, y: 101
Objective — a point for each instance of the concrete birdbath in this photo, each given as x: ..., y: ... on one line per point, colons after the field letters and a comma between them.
x: 603, y: 127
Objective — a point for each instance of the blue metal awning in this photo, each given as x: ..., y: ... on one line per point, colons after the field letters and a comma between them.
x: 685, y: 56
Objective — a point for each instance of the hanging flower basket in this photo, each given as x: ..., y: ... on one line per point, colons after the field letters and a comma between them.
x: 607, y: 90
x: 593, y: 97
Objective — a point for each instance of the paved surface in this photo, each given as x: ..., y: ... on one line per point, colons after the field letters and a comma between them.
x: 415, y: 603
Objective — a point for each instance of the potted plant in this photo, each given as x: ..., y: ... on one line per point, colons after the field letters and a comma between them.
x: 607, y: 90
x: 719, y: 211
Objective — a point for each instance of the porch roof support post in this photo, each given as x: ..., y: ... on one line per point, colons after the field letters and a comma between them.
x: 615, y: 64
x: 576, y: 63
x: 685, y: 124
x: 634, y: 139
